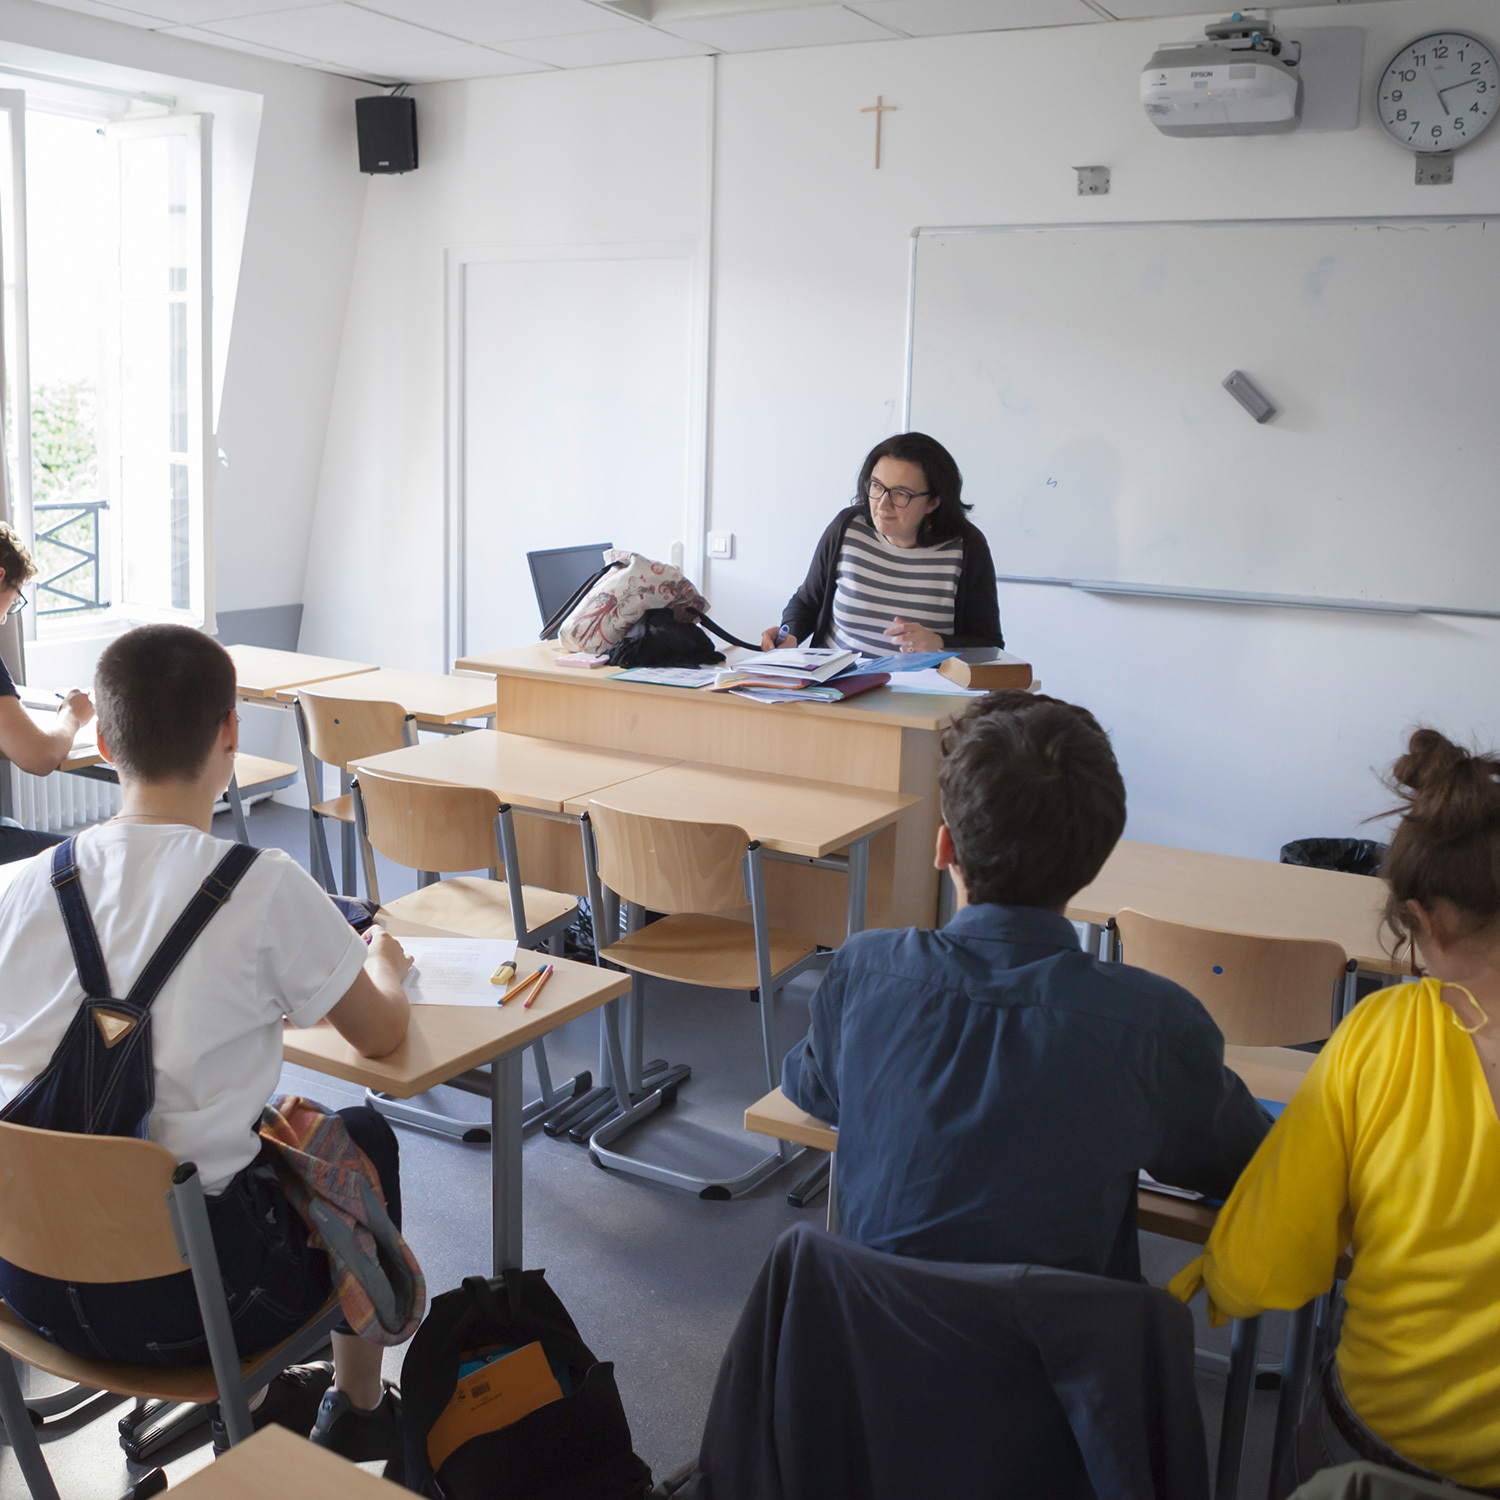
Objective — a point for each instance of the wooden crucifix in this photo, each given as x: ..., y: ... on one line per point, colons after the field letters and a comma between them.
x: 879, y: 108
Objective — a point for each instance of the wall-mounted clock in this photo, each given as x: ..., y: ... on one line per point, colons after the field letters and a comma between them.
x: 1439, y: 92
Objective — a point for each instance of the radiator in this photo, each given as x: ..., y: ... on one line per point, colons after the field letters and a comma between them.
x: 60, y: 803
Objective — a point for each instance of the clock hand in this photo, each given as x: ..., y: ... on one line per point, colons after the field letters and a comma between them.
x: 1452, y: 86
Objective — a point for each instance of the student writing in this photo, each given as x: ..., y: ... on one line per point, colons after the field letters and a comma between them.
x: 1391, y: 1148
x: 35, y: 749
x: 276, y: 946
x: 997, y: 1090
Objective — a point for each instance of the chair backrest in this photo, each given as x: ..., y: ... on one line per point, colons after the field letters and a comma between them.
x: 425, y: 825
x: 1263, y: 992
x: 86, y: 1207
x: 343, y: 729
x: 885, y: 1376
x: 669, y: 865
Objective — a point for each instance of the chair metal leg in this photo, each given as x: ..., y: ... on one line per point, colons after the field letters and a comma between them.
x: 23, y: 1438
x: 833, y: 1195
x: 346, y: 844
x: 195, y: 1238
x: 1296, y: 1367
x: 237, y: 808
x: 1244, y: 1340
x: 802, y: 1192
x: 322, y: 865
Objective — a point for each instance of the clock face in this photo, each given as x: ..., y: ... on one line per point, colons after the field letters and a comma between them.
x: 1439, y: 92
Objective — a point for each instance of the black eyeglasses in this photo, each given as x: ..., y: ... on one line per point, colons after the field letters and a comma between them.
x: 875, y: 492
x: 17, y: 607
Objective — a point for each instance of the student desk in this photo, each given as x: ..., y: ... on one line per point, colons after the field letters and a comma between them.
x: 1232, y: 894
x: 542, y: 776
x: 85, y: 751
x: 261, y: 673
x: 434, y: 699
x: 276, y: 1462
x: 445, y: 1041
x: 883, y: 740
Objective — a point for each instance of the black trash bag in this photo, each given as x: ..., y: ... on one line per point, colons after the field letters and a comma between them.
x: 660, y: 639
x: 575, y: 1448
x: 1349, y: 856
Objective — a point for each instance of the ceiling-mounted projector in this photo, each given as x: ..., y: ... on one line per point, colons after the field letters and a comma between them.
x: 1242, y: 80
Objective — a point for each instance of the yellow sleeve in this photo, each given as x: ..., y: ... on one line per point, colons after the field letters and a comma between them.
x: 1278, y: 1238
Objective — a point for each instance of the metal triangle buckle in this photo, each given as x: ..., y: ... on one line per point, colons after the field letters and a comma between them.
x: 113, y: 1026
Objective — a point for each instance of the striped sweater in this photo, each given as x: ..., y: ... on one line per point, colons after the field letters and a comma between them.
x: 877, y: 581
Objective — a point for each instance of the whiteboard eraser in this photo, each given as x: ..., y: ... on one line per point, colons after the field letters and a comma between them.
x: 1249, y: 395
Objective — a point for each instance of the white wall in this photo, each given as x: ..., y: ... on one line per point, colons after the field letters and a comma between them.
x: 300, y: 232
x: 554, y: 159
x: 1237, y: 727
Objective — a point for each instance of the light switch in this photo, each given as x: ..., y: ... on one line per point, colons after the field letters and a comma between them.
x: 721, y: 545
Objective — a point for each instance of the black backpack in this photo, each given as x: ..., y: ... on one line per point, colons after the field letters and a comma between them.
x: 576, y: 1448
x: 660, y: 639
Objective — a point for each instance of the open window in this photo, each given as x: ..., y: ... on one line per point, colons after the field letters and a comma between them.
x: 108, y: 362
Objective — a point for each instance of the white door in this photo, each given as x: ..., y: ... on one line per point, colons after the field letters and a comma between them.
x: 577, y: 425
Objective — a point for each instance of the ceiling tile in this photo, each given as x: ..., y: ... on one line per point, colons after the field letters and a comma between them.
x: 330, y: 31
x: 502, y: 20
x: 440, y: 65
x: 215, y: 39
x: 760, y: 30
x: 946, y: 17
x: 107, y: 12
x: 1139, y: 10
x: 597, y: 48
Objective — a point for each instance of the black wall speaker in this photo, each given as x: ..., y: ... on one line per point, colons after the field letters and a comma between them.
x: 387, y: 126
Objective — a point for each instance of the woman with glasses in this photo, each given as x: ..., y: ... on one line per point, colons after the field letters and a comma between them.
x: 901, y: 569
x: 22, y: 740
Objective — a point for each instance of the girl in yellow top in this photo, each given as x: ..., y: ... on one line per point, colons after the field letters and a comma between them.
x: 1392, y: 1148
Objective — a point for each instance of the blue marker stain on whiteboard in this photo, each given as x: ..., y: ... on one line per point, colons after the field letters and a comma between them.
x: 1315, y: 283
x: 1218, y: 968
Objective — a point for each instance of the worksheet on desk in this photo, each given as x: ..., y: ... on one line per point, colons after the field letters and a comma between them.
x: 455, y: 971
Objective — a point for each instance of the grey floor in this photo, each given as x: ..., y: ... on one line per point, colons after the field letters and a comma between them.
x: 653, y: 1277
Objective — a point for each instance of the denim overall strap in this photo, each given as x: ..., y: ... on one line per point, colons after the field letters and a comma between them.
x: 216, y: 889
x: 88, y: 958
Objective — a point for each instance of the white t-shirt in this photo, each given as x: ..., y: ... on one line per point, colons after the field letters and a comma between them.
x: 278, y: 947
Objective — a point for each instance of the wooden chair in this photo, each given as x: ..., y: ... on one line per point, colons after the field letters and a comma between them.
x: 1263, y: 992
x: 111, y: 1208
x: 335, y: 731
x: 694, y: 873
x: 431, y: 827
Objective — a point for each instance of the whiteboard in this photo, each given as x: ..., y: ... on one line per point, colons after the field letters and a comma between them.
x: 1074, y: 371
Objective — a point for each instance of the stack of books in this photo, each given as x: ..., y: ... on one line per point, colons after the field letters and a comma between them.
x: 797, y: 675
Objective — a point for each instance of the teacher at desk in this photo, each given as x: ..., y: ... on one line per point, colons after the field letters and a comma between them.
x: 901, y: 569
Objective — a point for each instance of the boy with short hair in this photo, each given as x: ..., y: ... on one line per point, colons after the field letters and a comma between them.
x: 34, y: 749
x: 275, y: 946
x: 997, y: 1089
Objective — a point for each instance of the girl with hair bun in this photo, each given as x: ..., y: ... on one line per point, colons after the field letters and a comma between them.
x: 1391, y: 1148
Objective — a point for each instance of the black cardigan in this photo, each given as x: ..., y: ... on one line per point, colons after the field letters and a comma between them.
x: 976, y: 607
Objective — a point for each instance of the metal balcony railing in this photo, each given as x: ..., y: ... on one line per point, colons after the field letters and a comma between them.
x: 58, y: 592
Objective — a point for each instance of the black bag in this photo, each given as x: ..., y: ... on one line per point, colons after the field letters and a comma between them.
x: 659, y: 639
x: 1351, y: 856
x: 577, y: 1448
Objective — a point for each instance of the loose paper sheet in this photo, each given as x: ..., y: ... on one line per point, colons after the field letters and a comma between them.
x: 455, y: 971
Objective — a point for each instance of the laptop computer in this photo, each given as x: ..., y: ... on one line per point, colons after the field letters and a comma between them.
x: 559, y: 572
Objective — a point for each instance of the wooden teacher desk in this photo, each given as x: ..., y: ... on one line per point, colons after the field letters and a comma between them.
x: 884, y: 741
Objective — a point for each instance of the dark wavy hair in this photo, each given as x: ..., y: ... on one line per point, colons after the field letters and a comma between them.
x: 941, y: 475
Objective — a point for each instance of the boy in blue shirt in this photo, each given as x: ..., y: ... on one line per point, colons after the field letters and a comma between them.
x: 997, y: 1089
